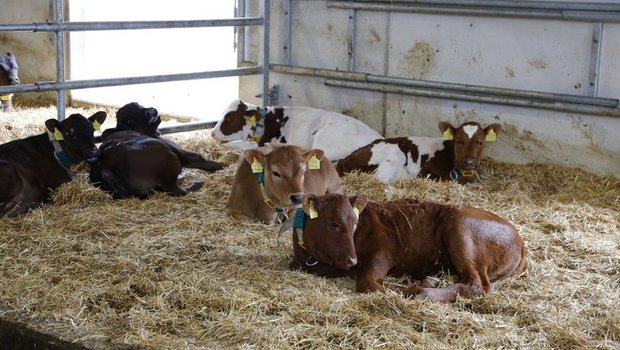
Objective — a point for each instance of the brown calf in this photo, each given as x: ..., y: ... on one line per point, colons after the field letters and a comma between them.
x: 407, y: 237
x: 455, y: 156
x: 277, y: 176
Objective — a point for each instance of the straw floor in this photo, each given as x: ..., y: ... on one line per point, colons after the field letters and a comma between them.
x: 177, y: 273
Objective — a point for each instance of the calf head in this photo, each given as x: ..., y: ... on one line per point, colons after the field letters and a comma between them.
x: 9, y: 70
x: 240, y: 122
x: 468, y: 143
x: 330, y: 226
x: 283, y: 168
x: 134, y: 117
x: 76, y: 135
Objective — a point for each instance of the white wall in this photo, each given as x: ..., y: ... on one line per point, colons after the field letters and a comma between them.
x: 530, y: 54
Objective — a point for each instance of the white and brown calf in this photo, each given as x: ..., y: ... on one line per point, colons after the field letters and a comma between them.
x: 276, y: 177
x: 337, y: 235
x: 455, y: 156
x: 246, y: 126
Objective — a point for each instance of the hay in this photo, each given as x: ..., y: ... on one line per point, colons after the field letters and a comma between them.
x: 172, y: 273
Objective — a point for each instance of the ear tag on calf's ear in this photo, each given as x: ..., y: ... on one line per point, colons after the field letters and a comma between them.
x: 269, y: 203
x: 447, y: 135
x: 314, y: 163
x: 257, y: 167
x: 468, y: 173
x: 313, y: 213
x: 491, y: 135
x: 96, y: 125
x: 58, y: 135
x: 251, y: 121
x: 356, y: 212
x: 255, y: 138
x: 5, y: 97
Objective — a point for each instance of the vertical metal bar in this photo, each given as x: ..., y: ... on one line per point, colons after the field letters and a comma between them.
x: 386, y: 70
x: 351, y: 40
x: 240, y: 30
x: 288, y: 39
x: 595, y: 58
x: 266, y: 27
x: 60, y: 59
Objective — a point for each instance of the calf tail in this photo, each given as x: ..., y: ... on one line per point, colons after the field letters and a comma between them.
x: 523, y: 263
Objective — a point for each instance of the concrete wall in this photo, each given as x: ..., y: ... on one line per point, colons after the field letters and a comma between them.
x: 36, y: 52
x: 531, y: 54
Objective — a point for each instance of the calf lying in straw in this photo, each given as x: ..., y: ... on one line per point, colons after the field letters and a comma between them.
x: 334, y: 234
x: 455, y: 156
x: 275, y: 177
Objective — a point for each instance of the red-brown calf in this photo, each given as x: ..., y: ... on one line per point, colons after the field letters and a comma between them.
x: 407, y: 237
x: 277, y: 176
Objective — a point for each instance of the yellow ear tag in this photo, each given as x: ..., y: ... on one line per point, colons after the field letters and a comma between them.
x: 251, y: 121
x: 58, y: 135
x: 491, y: 135
x: 356, y: 212
x: 313, y: 213
x: 96, y: 125
x: 257, y: 167
x: 314, y: 163
x: 255, y: 138
x: 447, y: 135
x: 5, y: 97
x: 270, y: 203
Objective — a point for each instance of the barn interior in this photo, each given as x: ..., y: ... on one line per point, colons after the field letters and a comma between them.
x: 87, y: 271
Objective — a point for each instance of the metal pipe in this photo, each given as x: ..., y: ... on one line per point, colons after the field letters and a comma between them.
x: 587, y: 16
x: 547, y: 5
x: 240, y: 31
x: 178, y: 128
x: 118, y: 25
x: 595, y: 58
x: 60, y: 60
x: 427, y: 84
x: 266, y: 26
x: 288, y: 38
x: 85, y: 84
x: 556, y: 106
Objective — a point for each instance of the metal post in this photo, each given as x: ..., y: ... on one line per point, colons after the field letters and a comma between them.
x: 60, y: 59
x: 240, y: 31
x: 595, y: 57
x: 288, y: 39
x: 351, y: 40
x: 266, y: 25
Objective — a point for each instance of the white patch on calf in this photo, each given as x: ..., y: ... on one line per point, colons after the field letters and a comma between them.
x: 470, y: 130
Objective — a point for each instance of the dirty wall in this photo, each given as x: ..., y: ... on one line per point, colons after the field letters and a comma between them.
x: 35, y: 52
x: 531, y: 54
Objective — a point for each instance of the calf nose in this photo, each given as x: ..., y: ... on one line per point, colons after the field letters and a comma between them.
x: 296, y: 198
x: 471, y: 163
x: 14, y: 81
x: 351, y: 262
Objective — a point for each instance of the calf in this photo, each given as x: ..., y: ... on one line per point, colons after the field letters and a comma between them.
x: 134, y: 160
x: 31, y: 167
x: 276, y: 177
x: 335, y: 234
x: 8, y: 76
x: 455, y: 156
x: 251, y: 126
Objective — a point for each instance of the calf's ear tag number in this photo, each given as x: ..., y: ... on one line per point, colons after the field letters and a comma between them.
x: 313, y: 213
x: 251, y: 121
x: 314, y: 163
x: 257, y: 167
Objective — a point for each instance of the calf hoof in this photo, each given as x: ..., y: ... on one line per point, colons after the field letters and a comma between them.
x: 194, y: 187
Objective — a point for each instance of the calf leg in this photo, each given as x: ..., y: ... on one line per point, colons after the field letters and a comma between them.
x: 177, y: 191
x: 192, y: 160
x: 370, y: 277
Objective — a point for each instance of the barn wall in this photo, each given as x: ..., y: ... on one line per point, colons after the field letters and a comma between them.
x: 36, y: 52
x: 531, y: 54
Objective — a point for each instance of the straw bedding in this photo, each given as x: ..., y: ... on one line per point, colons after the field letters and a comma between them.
x: 173, y: 273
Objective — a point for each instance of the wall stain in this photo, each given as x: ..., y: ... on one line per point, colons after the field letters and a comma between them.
x: 509, y: 72
x: 538, y: 64
x: 375, y: 36
x: 418, y: 60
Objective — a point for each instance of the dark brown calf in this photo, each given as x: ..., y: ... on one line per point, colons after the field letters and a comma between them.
x: 407, y: 237
x: 455, y: 156
x: 135, y: 161
x: 32, y: 167
x: 8, y: 76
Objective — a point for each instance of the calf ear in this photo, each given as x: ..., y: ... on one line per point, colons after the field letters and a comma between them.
x: 52, y: 125
x: 254, y: 154
x: 319, y: 153
x: 447, y: 130
x: 359, y: 201
x: 99, y: 117
x: 309, y: 202
x: 491, y: 131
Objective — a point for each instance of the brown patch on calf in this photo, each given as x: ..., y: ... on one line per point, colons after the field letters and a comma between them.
x: 409, y: 237
x: 286, y: 179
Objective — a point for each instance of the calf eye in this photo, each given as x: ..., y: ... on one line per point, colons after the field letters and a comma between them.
x: 459, y: 142
x: 334, y: 226
x: 275, y: 173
